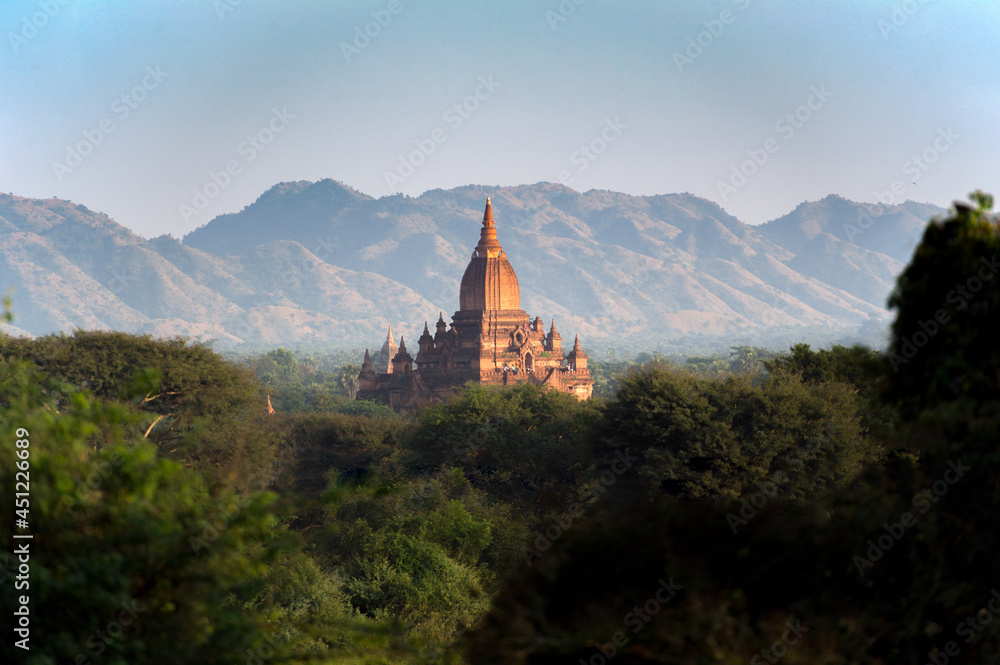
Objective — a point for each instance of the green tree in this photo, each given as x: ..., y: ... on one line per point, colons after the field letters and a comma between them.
x: 423, y: 551
x: 948, y: 310
x: 347, y: 378
x: 707, y: 366
x: 730, y: 437
x: 137, y: 559
x: 202, y: 410
x: 523, y: 444
x: 117, y: 528
x: 749, y: 359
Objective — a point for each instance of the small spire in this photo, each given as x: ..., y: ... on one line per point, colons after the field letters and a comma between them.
x: 488, y: 215
x: 576, y: 343
x: 402, y: 345
x: 388, y: 337
x: 440, y: 317
x: 368, y: 358
x: 270, y: 409
x: 489, y: 246
x: 426, y: 330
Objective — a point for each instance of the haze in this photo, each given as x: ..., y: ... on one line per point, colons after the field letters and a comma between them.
x: 165, y: 116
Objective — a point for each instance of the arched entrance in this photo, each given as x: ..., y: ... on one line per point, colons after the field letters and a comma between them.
x: 529, y: 363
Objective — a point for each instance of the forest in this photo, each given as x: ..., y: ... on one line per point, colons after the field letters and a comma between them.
x: 823, y: 506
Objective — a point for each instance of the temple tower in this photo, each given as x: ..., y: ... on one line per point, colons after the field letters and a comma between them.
x: 385, y: 356
x: 491, y: 341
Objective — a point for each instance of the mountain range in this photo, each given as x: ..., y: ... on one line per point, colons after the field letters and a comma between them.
x: 319, y: 263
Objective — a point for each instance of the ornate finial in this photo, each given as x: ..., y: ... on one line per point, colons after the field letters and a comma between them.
x: 488, y: 215
x: 488, y: 246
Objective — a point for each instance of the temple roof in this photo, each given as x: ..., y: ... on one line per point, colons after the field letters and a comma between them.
x: 489, y: 282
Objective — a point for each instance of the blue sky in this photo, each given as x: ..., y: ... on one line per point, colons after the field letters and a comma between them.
x: 164, y: 115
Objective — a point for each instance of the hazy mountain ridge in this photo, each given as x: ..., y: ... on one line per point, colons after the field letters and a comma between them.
x: 323, y: 263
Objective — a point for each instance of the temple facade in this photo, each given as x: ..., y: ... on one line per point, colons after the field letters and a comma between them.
x: 491, y: 341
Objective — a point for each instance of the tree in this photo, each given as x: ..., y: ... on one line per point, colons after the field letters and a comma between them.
x: 749, y: 359
x: 132, y: 556
x: 521, y: 443
x: 730, y: 437
x: 948, y: 310
x: 285, y: 368
x: 347, y: 377
x: 425, y: 551
x: 861, y: 368
x: 201, y: 409
x: 137, y: 559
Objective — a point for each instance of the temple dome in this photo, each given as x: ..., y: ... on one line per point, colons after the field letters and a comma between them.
x: 489, y: 283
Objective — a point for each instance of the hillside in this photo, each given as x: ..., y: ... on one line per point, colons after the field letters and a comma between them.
x: 322, y: 263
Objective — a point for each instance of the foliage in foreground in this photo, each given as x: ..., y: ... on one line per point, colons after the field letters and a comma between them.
x: 136, y: 559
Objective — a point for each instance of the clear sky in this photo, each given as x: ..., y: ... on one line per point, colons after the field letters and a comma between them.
x: 139, y: 108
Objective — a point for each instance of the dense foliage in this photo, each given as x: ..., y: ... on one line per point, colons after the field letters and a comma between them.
x: 200, y: 410
x: 944, y: 337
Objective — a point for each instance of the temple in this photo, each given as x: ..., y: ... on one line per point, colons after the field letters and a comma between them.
x: 491, y: 341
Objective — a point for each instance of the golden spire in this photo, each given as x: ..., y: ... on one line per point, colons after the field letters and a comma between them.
x: 489, y: 246
x: 488, y: 215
